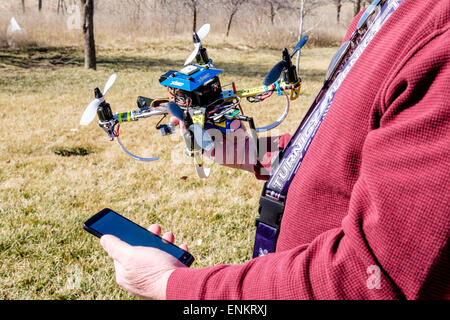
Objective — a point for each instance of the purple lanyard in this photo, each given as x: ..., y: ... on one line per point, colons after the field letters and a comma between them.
x: 276, y: 188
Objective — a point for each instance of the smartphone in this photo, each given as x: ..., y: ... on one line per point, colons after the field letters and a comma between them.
x: 109, y: 222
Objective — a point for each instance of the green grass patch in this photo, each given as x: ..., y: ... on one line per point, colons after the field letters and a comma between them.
x: 54, y: 174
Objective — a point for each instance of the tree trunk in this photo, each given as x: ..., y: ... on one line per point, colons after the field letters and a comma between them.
x: 356, y: 7
x: 230, y: 20
x: 40, y: 5
x: 272, y: 12
x: 62, y: 6
x: 338, y: 10
x: 300, y: 29
x: 90, y: 61
x: 194, y: 19
x: 23, y: 6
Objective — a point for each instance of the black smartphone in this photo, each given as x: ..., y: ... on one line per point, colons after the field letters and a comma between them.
x: 109, y: 222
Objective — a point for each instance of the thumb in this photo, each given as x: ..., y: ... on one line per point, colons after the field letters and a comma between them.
x: 116, y: 248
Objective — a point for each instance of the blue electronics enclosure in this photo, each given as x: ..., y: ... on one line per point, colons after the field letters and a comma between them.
x: 224, y: 127
x: 189, y: 78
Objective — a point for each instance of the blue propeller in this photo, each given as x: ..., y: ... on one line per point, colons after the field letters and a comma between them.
x: 275, y: 73
x: 202, y: 138
x: 299, y: 45
x: 176, y: 111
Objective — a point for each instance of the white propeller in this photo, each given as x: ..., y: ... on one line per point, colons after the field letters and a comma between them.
x: 193, y: 54
x: 109, y: 83
x: 203, y: 31
x: 91, y: 110
x: 200, y: 34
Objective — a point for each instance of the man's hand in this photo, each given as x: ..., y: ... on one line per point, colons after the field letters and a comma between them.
x: 143, y: 271
x: 236, y: 150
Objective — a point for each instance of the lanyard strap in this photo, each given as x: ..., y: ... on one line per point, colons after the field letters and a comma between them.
x: 276, y: 188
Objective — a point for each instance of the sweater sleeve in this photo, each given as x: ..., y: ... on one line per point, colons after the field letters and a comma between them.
x: 393, y: 243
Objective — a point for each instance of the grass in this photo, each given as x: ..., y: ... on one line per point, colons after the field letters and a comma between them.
x: 55, y: 174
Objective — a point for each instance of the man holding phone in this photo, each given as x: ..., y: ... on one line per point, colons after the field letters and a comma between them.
x: 367, y: 214
x: 143, y: 271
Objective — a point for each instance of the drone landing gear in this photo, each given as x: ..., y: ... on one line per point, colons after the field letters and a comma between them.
x: 135, y: 157
x: 202, y: 172
x: 280, y: 120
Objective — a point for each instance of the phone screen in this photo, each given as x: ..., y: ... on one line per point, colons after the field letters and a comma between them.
x: 109, y: 222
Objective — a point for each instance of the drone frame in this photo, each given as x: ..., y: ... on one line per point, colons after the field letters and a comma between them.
x: 289, y: 87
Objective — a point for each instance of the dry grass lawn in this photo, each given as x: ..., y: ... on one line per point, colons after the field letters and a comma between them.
x: 55, y: 174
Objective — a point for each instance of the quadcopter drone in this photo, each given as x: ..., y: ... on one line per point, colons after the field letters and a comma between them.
x: 197, y: 99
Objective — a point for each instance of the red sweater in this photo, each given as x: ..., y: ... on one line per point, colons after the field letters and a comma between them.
x: 373, y: 192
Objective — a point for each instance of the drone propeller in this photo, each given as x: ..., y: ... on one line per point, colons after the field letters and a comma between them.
x: 275, y: 73
x: 198, y: 37
x: 109, y: 83
x: 299, y: 45
x: 203, y: 31
x: 176, y: 111
x: 91, y: 110
x: 202, y: 138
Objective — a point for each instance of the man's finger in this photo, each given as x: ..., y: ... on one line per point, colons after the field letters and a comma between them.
x: 174, y: 121
x: 155, y: 229
x: 169, y: 237
x: 116, y: 248
x: 184, y: 247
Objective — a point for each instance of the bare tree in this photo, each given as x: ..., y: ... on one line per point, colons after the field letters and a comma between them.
x: 193, y: 6
x: 275, y: 6
x: 300, y: 29
x: 338, y: 10
x: 233, y: 7
x: 87, y: 7
x: 356, y: 7
x: 61, y: 6
x: 306, y: 7
x: 137, y: 9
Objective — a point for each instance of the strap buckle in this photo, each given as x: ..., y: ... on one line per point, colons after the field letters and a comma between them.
x: 270, y: 210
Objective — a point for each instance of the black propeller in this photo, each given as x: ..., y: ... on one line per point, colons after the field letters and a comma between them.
x: 285, y: 64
